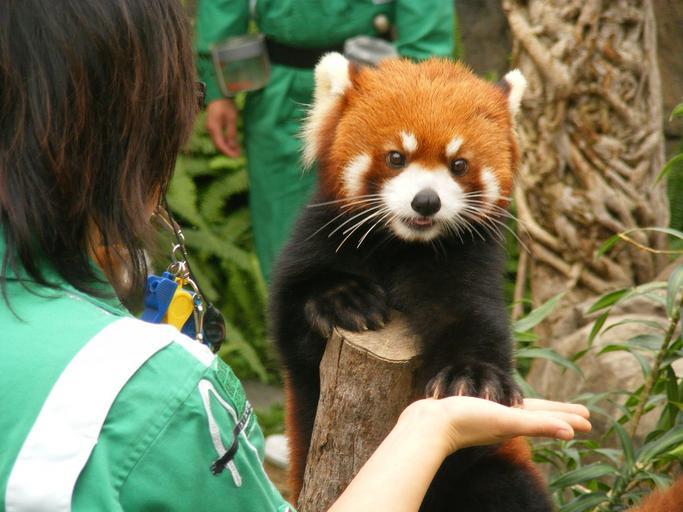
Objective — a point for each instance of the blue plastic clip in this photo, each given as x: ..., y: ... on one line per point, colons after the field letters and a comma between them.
x: 158, y: 295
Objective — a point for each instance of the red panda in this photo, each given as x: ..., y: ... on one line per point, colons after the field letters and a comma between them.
x: 415, y: 164
x: 667, y: 500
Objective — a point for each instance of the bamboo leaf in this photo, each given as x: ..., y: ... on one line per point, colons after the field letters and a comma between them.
x: 607, y: 300
x: 524, y: 337
x: 670, y: 440
x: 548, y: 354
x: 585, y: 502
x: 674, y: 286
x: 642, y: 360
x: 597, y: 325
x: 537, y: 315
x: 640, y: 321
x: 626, y: 444
x: 607, y: 245
x: 675, y: 163
x: 611, y: 298
x: 583, y: 474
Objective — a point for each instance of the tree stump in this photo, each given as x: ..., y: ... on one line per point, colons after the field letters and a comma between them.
x: 366, y: 380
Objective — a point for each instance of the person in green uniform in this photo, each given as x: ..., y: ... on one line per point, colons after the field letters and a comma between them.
x: 101, y: 411
x: 298, y: 33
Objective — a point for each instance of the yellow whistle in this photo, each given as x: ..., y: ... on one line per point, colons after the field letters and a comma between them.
x: 180, y: 308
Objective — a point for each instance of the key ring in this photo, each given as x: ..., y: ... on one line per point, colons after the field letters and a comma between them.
x: 180, y: 268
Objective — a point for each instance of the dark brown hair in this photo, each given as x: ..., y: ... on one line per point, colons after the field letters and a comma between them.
x: 96, y: 98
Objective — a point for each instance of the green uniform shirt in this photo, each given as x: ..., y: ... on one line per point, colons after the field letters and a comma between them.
x: 272, y: 116
x: 155, y: 448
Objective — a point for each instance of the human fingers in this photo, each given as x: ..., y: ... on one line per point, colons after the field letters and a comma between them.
x: 519, y: 422
x: 577, y: 422
x: 221, y: 124
x: 475, y: 421
x: 213, y: 127
x: 231, y: 134
x: 537, y: 404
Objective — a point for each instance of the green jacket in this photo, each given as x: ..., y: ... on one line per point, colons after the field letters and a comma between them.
x: 61, y: 354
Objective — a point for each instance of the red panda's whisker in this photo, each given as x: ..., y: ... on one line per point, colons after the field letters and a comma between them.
x: 484, y: 219
x: 462, y: 220
x: 385, y: 211
x: 337, y: 201
x: 457, y: 228
x: 368, y: 210
x: 372, y: 215
x: 325, y: 225
x: 487, y: 220
x: 373, y: 227
x: 331, y: 221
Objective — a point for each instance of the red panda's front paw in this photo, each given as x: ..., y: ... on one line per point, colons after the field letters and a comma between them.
x: 481, y: 380
x: 353, y: 305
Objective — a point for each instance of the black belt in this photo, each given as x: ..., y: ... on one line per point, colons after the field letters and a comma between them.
x: 294, y: 57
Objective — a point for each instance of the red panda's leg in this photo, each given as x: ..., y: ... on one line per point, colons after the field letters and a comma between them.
x: 300, y: 407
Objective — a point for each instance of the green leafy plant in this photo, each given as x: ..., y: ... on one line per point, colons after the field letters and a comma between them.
x: 614, y: 472
x: 673, y: 171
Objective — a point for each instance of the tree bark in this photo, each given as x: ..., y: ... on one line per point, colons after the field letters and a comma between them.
x: 366, y: 380
x: 591, y: 137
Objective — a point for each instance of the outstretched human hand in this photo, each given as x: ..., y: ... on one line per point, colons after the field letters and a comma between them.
x: 462, y: 421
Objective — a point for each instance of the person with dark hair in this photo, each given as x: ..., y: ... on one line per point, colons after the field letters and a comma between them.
x: 101, y: 411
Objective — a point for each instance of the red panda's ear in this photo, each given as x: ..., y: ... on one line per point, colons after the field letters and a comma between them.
x: 514, y: 85
x: 332, y: 80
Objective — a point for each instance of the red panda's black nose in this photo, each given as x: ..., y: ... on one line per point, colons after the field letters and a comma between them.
x: 426, y: 202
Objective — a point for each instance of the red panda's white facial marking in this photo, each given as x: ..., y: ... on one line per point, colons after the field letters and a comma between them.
x: 453, y: 146
x: 414, y: 218
x: 353, y: 174
x: 490, y: 184
x: 409, y: 142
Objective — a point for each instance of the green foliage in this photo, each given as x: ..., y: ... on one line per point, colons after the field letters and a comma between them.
x: 673, y: 170
x: 208, y: 195
x: 613, y: 473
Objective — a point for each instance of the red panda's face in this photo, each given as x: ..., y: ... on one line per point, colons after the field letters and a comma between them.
x: 426, y: 149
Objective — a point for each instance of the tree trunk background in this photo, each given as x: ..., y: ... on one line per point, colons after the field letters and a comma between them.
x: 592, y: 144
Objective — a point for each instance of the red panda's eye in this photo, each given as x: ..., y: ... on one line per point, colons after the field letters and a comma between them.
x: 459, y: 166
x: 395, y: 160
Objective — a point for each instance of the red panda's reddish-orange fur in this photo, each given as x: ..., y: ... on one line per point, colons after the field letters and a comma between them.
x: 667, y: 500
x: 518, y: 452
x: 296, y: 441
x: 473, y: 108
